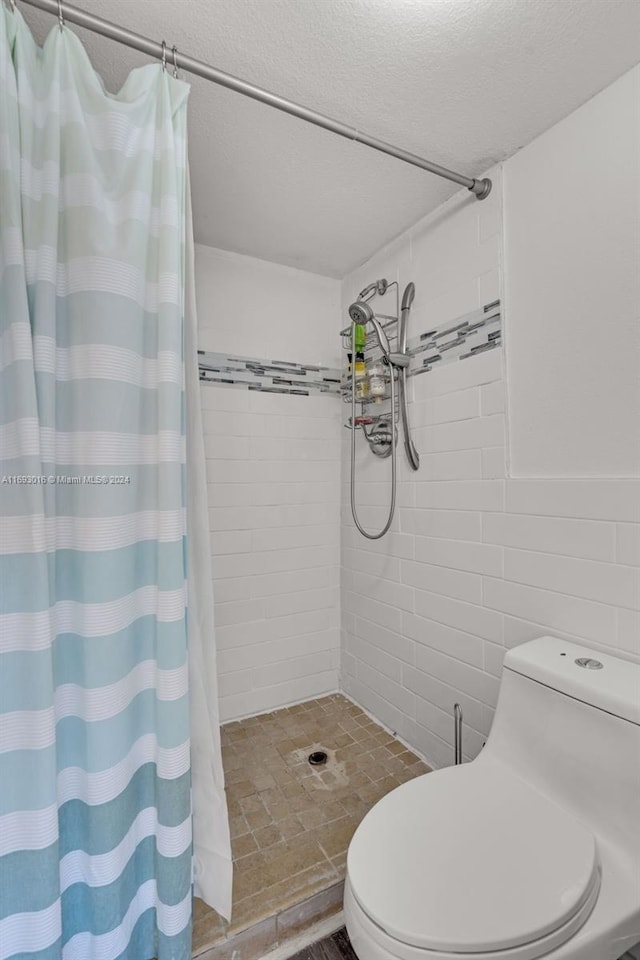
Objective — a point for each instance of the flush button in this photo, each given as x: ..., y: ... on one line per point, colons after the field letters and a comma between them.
x: 588, y: 663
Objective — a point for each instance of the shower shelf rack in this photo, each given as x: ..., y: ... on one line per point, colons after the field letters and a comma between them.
x: 373, y: 412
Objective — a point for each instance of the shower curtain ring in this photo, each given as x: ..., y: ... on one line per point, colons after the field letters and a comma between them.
x: 164, y: 55
x: 174, y: 50
x: 60, y: 16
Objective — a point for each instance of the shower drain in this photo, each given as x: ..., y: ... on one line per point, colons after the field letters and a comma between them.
x: 317, y: 758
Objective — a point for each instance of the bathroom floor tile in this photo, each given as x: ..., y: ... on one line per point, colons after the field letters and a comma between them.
x: 291, y: 823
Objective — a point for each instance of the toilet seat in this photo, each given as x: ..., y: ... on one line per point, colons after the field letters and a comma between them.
x: 472, y: 861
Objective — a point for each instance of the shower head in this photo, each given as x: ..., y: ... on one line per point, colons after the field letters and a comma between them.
x: 378, y: 286
x: 362, y: 313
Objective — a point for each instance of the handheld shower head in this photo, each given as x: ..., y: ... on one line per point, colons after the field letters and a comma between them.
x: 362, y: 313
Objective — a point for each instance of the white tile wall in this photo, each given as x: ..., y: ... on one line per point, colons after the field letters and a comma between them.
x: 273, y: 470
x: 475, y: 562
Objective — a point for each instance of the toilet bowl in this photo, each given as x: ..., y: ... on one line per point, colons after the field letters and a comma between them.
x: 531, y: 851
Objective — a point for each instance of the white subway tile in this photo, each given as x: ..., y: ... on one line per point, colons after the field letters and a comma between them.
x: 605, y: 582
x: 224, y: 423
x: 386, y: 591
x: 436, y: 722
x: 231, y: 588
x: 395, y: 694
x: 436, y: 752
x: 370, y: 609
x: 297, y: 645
x: 285, y: 538
x: 311, y: 665
x: 460, y: 555
x: 392, y: 544
x: 557, y: 611
x: 492, y: 398
x: 488, y: 287
x: 628, y: 632
x: 456, y: 465
x: 238, y: 634
x: 375, y: 564
x: 517, y: 631
x: 230, y: 541
x: 276, y: 561
x: 301, y: 601
x: 443, y: 307
x: 459, y: 405
x: 462, y: 434
x: 586, y: 499
x: 239, y: 681
x: 281, y: 694
x: 463, y: 616
x: 443, y: 695
x: 453, y: 643
x: 494, y: 464
x: 347, y: 666
x: 369, y: 653
x: 589, y: 539
x: 450, y: 524
x: 628, y: 543
x: 437, y: 579
x: 392, y: 717
x: 231, y: 448
x: 221, y: 399
x: 493, y: 658
x: 395, y: 643
x: 458, y: 675
x: 293, y: 581
x: 232, y: 518
x: 472, y: 372
x: 239, y: 611
x: 461, y: 495
x: 235, y: 565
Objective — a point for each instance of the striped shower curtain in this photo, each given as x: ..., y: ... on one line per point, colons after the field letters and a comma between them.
x: 95, y: 825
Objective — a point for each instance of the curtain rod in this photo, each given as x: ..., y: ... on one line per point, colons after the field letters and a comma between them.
x: 64, y: 11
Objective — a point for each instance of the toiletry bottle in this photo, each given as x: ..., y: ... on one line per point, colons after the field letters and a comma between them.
x: 378, y: 381
x: 359, y: 337
x: 361, y: 381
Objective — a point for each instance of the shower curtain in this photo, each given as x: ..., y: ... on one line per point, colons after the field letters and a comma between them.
x: 95, y: 773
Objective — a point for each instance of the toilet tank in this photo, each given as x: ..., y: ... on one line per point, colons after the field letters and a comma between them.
x: 568, y: 722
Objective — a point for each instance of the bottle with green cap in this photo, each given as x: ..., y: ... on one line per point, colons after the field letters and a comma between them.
x: 359, y: 337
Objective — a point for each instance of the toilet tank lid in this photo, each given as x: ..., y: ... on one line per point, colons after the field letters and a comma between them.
x: 614, y: 686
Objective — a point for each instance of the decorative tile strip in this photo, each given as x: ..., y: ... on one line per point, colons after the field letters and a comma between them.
x: 467, y: 336
x: 267, y: 376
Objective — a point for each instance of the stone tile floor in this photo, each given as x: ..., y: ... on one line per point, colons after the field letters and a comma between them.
x: 291, y: 823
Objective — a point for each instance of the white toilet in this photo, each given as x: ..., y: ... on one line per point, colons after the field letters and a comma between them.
x: 532, y: 850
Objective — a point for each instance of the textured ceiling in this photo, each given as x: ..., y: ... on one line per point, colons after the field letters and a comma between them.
x: 462, y: 82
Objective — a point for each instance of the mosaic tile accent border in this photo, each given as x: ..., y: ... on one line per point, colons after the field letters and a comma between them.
x: 469, y: 335
x: 267, y: 376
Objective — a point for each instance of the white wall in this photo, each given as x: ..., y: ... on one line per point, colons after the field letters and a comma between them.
x: 273, y: 467
x: 475, y: 562
x: 572, y: 228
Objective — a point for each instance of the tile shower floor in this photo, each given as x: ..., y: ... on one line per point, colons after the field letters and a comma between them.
x: 291, y: 823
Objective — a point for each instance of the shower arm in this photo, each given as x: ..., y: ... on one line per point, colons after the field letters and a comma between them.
x: 480, y: 188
